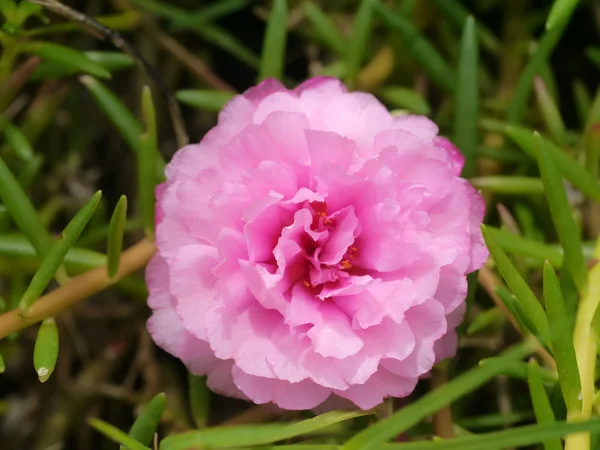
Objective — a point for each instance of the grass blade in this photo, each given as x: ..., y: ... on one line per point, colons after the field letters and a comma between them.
x: 562, y: 343
x: 66, y: 56
x: 567, y: 230
x: 57, y: 253
x: 401, y: 97
x: 45, y: 352
x: 535, y: 64
x: 22, y: 211
x: 199, y: 396
x: 509, y: 185
x: 420, y: 48
x: 591, y: 137
x: 209, y: 13
x: 146, y: 162
x: 541, y: 404
x: 561, y: 12
x: 467, y: 98
x: 115, y: 236
x: 244, y: 435
x: 390, y: 427
x: 18, y: 142
x: 550, y: 112
x: 204, y: 99
x: 518, y: 286
x: 486, y: 319
x: 357, y: 46
x: 146, y: 424
x: 2, y: 365
x: 273, y: 55
x: 583, y: 100
x: 500, y: 440
x: 570, y: 169
x: 593, y: 54
x: 110, y: 61
x: 324, y: 28
x: 227, y: 42
x: 116, y: 435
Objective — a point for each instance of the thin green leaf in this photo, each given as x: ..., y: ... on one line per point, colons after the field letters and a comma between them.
x: 146, y: 162
x: 110, y: 61
x: 561, y: 12
x: 248, y: 435
x: 570, y: 169
x: 487, y: 421
x: 204, y: 99
x: 541, y: 404
x: 164, y: 9
x: 567, y: 230
x: 520, y: 370
x: 209, y: 13
x: 401, y: 97
x: 550, y: 112
x: 420, y: 48
x: 535, y: 64
x: 518, y: 245
x: 509, y: 185
x: 593, y: 53
x: 458, y: 14
x: 562, y: 341
x: 227, y: 42
x: 411, y: 414
x: 22, y: 211
x: 116, y: 435
x: 45, y: 352
x: 591, y: 138
x: 324, y: 27
x: 57, y: 253
x: 357, y: 46
x: 66, y: 56
x: 467, y: 98
x: 273, y: 54
x: 486, y: 319
x: 199, y: 396
x: 18, y: 142
x: 500, y: 440
x: 516, y: 310
x: 146, y: 424
x: 115, y: 236
x: 30, y: 171
x: 583, y: 100
x: 2, y: 365
x: 518, y: 286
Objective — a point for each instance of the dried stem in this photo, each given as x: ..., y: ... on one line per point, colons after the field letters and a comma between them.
x: 76, y: 290
x: 442, y: 420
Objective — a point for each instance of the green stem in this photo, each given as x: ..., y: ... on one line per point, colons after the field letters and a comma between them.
x: 7, y: 59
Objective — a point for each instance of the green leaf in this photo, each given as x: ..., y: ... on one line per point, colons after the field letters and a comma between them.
x: 254, y: 435
x: 45, y: 352
x: 227, y: 42
x: 110, y: 61
x: 486, y: 319
x: 22, y: 211
x: 509, y: 185
x: 146, y: 424
x: 66, y: 56
x: 57, y: 253
x: 401, y: 97
x: 550, y: 112
x: 411, y: 414
x: 2, y: 366
x: 593, y: 53
x: 518, y: 286
x: 520, y: 370
x: 567, y: 230
x: 204, y: 99
x: 324, y: 27
x: 518, y: 245
x: 583, y: 100
x: 146, y: 162
x: 570, y: 169
x: 115, y: 236
x: 273, y: 55
x: 516, y: 310
x: 458, y: 14
x: 467, y: 98
x: 535, y: 64
x: 116, y: 435
x: 18, y: 142
x: 199, y: 396
x: 357, y: 46
x: 591, y: 137
x: 500, y: 440
x: 209, y: 13
x: 561, y: 12
x: 420, y: 48
x: 562, y: 341
x: 541, y: 404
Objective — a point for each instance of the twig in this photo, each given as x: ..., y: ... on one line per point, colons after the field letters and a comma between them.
x: 119, y: 42
x: 77, y: 289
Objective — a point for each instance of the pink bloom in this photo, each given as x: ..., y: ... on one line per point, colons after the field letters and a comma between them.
x: 312, y: 245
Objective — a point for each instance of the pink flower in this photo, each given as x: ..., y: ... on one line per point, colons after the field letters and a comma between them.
x: 312, y: 245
